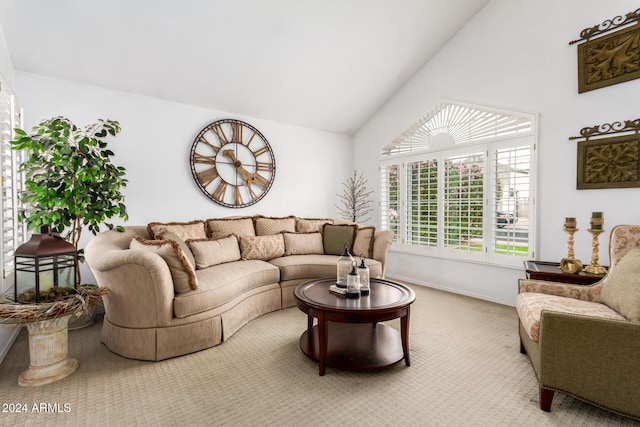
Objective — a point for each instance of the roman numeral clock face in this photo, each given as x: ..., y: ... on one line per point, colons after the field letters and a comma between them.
x: 232, y: 163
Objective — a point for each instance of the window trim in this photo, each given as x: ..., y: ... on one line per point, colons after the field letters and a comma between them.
x: 12, y: 180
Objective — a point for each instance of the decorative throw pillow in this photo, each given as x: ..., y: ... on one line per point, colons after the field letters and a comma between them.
x: 262, y: 247
x: 621, y: 292
x: 223, y: 227
x: 167, y: 235
x: 208, y: 252
x: 303, y: 243
x: 182, y: 273
x: 184, y: 230
x: 311, y: 225
x: 266, y: 226
x: 363, y: 244
x: 336, y: 236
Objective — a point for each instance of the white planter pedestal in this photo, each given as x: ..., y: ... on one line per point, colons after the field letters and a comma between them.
x: 48, y: 347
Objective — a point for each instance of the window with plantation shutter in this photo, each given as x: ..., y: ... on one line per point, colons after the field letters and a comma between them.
x: 459, y: 184
x: 13, y: 233
x: 390, y: 198
x: 422, y: 202
x: 511, y: 227
x: 464, y: 202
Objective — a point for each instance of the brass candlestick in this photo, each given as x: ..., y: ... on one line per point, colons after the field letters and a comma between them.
x: 571, y: 232
x: 570, y: 264
x: 595, y: 267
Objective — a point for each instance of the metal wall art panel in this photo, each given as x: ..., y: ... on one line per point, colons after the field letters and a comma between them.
x: 610, y: 161
x: 609, y: 59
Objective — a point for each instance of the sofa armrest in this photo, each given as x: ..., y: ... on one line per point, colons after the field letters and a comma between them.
x: 381, y: 245
x: 593, y: 358
x: 140, y: 286
x: 582, y: 292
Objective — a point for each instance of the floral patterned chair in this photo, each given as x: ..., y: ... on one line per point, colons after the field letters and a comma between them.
x: 585, y: 340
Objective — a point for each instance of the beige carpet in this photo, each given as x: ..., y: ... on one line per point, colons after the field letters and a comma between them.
x: 466, y: 370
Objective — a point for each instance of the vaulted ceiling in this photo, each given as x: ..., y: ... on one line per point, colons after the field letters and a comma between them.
x: 323, y: 64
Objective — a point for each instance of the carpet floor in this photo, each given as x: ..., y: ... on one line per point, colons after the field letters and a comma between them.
x: 466, y: 370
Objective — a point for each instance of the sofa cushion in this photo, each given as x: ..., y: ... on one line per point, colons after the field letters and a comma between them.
x: 168, y: 235
x: 223, y: 227
x: 363, y: 243
x: 336, y: 236
x: 266, y: 225
x: 222, y: 283
x: 182, y: 272
x: 529, y: 306
x: 313, y: 266
x: 311, y: 225
x: 262, y: 247
x: 621, y: 290
x: 208, y: 252
x: 303, y: 243
x: 184, y: 230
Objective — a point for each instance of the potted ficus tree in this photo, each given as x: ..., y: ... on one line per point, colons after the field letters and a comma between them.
x: 70, y: 181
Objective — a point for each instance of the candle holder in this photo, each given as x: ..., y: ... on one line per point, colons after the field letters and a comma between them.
x: 595, y: 267
x: 570, y: 264
x: 571, y: 232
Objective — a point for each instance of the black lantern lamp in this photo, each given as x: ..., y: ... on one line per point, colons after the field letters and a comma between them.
x: 43, y: 253
x: 344, y: 266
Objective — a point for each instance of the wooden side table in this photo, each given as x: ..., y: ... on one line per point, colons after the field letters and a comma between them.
x: 544, y: 270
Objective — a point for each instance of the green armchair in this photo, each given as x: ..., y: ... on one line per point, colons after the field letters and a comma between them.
x: 585, y: 340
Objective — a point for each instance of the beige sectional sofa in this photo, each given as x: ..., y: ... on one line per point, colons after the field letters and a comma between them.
x: 176, y: 288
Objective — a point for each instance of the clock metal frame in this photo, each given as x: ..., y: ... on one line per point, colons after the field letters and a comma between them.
x: 232, y: 163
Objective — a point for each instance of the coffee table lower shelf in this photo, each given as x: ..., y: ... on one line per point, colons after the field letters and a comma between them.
x: 356, y: 346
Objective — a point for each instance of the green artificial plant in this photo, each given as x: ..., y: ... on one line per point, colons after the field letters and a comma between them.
x: 70, y: 181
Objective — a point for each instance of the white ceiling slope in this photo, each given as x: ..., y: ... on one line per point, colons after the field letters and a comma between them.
x: 322, y: 64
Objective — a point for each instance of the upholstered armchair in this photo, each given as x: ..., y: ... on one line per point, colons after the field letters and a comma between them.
x: 585, y: 340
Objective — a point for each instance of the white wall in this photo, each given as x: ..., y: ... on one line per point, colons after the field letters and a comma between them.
x: 154, y: 147
x: 6, y: 65
x: 516, y: 54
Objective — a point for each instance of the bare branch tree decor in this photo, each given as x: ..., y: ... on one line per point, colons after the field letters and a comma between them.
x: 355, y: 199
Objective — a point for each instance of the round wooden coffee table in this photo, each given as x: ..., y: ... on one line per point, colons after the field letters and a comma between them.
x: 348, y: 335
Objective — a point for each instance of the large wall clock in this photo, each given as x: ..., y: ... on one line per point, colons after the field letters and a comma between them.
x: 232, y: 163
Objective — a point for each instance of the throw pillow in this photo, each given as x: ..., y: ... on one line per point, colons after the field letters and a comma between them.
x: 182, y: 273
x: 266, y: 226
x: 311, y: 225
x: 336, y: 236
x: 223, y: 227
x: 303, y: 243
x: 262, y: 247
x: 621, y: 291
x: 209, y: 252
x: 363, y: 244
x: 167, y: 235
x: 184, y: 230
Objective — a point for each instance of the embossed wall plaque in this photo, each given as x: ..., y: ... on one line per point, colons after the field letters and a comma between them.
x: 610, y: 59
x: 612, y: 162
x: 609, y: 155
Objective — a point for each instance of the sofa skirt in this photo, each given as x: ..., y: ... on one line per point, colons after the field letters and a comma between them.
x: 176, y: 340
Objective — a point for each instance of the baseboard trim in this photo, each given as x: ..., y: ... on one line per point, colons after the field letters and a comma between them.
x: 447, y: 289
